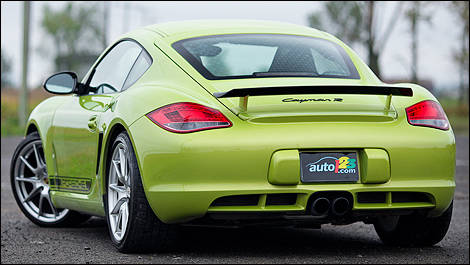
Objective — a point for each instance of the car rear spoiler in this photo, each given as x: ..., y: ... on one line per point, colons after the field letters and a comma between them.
x: 243, y: 93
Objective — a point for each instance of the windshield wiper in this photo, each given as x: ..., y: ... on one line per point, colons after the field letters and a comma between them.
x: 284, y: 74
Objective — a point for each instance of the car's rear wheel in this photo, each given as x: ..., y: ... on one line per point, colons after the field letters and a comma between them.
x: 30, y: 186
x: 132, y: 225
x: 413, y: 230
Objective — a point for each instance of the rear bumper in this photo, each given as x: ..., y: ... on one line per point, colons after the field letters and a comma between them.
x: 186, y: 202
x: 183, y: 174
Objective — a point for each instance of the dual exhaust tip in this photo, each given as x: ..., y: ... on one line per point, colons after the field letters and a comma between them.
x: 339, y: 206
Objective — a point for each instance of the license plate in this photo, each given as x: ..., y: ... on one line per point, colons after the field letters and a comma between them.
x: 329, y: 167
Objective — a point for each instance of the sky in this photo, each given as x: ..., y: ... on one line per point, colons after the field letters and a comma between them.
x: 437, y: 40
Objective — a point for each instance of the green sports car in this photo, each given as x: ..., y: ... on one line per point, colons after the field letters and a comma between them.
x: 235, y: 122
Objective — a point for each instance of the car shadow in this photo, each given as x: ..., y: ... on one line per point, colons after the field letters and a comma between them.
x: 281, y: 242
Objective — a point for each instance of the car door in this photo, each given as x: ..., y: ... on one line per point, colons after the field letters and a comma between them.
x: 77, y: 127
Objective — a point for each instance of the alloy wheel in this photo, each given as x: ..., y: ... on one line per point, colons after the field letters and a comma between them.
x: 119, y: 191
x: 32, y: 184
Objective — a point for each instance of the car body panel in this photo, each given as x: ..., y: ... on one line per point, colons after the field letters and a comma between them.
x: 211, y: 161
x: 183, y: 174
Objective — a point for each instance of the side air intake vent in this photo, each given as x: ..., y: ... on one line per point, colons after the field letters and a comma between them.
x: 281, y: 199
x: 396, y: 197
x: 409, y: 197
x: 371, y: 197
x: 237, y: 200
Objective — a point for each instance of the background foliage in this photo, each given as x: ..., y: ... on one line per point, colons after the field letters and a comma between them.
x: 76, y: 32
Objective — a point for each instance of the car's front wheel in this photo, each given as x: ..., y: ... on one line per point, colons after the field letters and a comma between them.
x: 132, y: 225
x: 413, y: 230
x: 30, y: 186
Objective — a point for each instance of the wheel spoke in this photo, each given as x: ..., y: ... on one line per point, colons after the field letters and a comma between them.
x: 117, y: 188
x: 119, y: 218
x: 118, y: 205
x: 54, y: 210
x: 125, y: 215
x: 33, y: 194
x: 125, y: 179
x: 118, y: 170
x: 38, y: 158
x: 40, y: 212
x: 123, y: 163
x: 28, y: 165
x: 30, y: 180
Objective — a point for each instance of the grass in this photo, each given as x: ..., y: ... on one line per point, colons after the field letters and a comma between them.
x: 9, y: 109
x: 457, y: 113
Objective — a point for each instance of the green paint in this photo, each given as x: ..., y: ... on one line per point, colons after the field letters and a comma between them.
x: 183, y: 173
x: 284, y: 164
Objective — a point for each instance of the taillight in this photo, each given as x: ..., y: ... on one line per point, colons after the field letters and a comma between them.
x: 187, y: 117
x: 427, y: 113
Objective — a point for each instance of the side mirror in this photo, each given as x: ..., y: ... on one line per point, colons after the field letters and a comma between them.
x: 61, y: 83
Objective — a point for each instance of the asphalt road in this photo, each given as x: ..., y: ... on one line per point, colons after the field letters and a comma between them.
x: 24, y: 242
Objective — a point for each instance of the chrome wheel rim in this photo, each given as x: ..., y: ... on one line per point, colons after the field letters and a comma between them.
x: 119, y: 191
x: 32, y: 184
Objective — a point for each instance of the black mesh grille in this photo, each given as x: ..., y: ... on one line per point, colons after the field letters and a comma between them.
x: 409, y: 197
x: 237, y: 200
x: 397, y: 197
x: 281, y: 199
x: 371, y: 197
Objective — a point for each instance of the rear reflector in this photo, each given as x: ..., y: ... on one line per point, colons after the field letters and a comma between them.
x: 427, y: 113
x: 188, y: 117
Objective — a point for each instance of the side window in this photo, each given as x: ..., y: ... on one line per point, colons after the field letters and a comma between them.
x: 112, y: 71
x: 141, y: 65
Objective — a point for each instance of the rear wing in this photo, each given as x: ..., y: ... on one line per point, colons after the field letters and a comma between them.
x: 243, y: 93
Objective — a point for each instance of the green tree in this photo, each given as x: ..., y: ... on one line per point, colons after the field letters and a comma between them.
x: 460, y: 8
x: 77, y: 35
x: 354, y: 23
x: 6, y: 69
x: 416, y: 12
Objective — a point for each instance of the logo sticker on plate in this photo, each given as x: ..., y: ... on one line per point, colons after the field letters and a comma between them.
x: 329, y: 167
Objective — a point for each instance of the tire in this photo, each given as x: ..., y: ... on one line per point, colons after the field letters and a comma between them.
x: 413, y: 230
x: 30, y: 186
x: 132, y: 224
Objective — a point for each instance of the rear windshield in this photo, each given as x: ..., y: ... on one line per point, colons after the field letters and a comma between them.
x: 265, y: 55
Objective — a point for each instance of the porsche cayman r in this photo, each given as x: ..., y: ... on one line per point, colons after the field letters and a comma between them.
x: 240, y: 123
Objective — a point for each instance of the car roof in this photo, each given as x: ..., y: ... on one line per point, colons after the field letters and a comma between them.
x: 194, y: 28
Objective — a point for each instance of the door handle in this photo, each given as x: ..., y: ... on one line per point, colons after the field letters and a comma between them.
x: 110, y: 105
x: 92, y: 124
